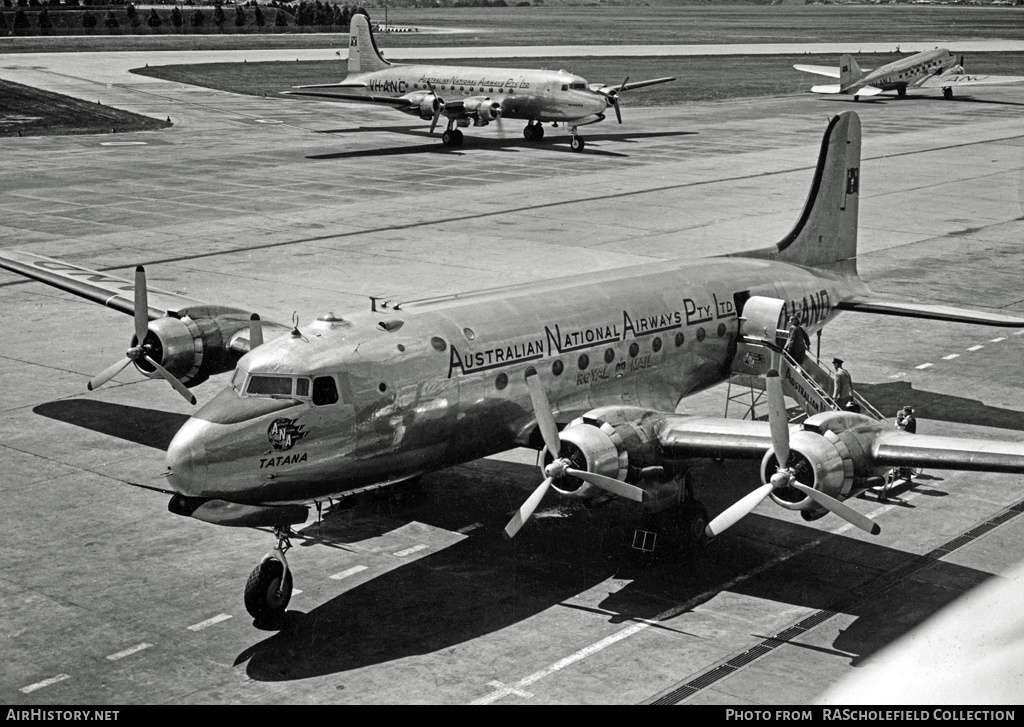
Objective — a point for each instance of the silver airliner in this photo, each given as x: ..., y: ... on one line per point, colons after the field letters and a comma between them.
x: 472, y: 96
x: 589, y: 368
x: 930, y: 69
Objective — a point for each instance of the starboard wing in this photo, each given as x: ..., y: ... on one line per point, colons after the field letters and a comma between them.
x: 968, y: 79
x: 884, y: 306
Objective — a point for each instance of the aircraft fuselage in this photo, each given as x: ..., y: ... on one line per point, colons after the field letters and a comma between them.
x: 381, y: 396
x: 909, y: 72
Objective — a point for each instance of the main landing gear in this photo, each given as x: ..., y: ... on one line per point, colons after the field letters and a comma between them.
x: 452, y: 137
x: 577, y: 143
x: 269, y: 588
x: 533, y: 131
x: 947, y: 92
x: 676, y: 526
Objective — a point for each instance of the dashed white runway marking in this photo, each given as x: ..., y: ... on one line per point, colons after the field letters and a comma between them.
x: 950, y: 357
x: 469, y: 528
x: 209, y: 622
x: 410, y: 551
x: 997, y: 340
x: 44, y: 683
x: 350, y: 572
x: 129, y: 651
x: 975, y: 348
x: 924, y: 366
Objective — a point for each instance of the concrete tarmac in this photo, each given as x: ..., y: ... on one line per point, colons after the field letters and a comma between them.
x: 288, y: 204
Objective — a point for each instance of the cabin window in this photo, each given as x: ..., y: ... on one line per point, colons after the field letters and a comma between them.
x: 438, y: 343
x: 609, y: 355
x: 501, y: 381
x: 557, y: 367
x: 583, y: 362
x: 269, y: 386
x: 701, y: 334
x: 325, y: 391
x: 634, y: 349
x: 680, y: 338
x: 656, y: 344
x: 468, y: 333
x: 721, y: 330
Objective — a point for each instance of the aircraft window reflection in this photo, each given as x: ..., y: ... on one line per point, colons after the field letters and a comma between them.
x: 325, y: 391
x: 269, y: 386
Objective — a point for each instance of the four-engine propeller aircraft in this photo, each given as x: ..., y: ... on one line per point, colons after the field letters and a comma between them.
x: 377, y: 397
x: 477, y: 96
x: 928, y: 69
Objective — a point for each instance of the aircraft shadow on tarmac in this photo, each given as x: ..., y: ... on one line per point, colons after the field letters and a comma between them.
x: 149, y: 427
x: 555, y: 143
x: 909, y: 98
x: 483, y: 584
x: 890, y: 397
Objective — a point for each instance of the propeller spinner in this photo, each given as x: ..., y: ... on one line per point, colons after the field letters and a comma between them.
x: 141, y: 350
x: 786, y: 475
x: 559, y: 467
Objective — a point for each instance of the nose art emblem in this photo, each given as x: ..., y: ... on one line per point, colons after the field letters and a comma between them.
x: 284, y: 433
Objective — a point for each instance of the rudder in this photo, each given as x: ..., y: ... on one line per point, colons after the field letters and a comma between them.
x: 849, y: 71
x: 363, y: 55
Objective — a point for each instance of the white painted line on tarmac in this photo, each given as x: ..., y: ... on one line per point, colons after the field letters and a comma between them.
x: 924, y: 366
x: 129, y: 651
x: 1018, y: 333
x: 469, y: 528
x: 410, y: 551
x: 950, y: 357
x: 975, y: 348
x: 123, y: 143
x: 209, y: 622
x: 641, y: 624
x: 997, y: 340
x: 896, y: 376
x: 350, y: 572
x: 44, y: 683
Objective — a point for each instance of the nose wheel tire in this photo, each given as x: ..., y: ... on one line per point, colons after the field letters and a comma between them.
x: 265, y: 597
x: 577, y: 143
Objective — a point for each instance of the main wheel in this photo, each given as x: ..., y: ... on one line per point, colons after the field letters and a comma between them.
x: 694, y: 517
x: 577, y: 143
x: 263, y: 600
x: 447, y: 138
x: 457, y: 137
x: 947, y: 93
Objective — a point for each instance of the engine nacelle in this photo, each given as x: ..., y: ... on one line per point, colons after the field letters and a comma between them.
x: 483, y: 109
x: 427, y: 103
x: 817, y: 463
x: 615, y: 442
x: 194, y: 344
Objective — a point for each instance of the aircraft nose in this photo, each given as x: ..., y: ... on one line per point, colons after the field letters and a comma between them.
x: 187, y: 461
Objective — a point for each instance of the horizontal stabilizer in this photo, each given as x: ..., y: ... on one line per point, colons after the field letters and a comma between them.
x: 864, y: 91
x: 968, y: 79
x: 342, y: 84
x: 830, y: 71
x: 827, y: 88
x: 947, y: 313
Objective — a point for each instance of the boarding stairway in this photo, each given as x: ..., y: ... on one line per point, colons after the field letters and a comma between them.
x: 760, y: 347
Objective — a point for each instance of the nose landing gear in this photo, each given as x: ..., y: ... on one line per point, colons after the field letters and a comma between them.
x: 269, y: 588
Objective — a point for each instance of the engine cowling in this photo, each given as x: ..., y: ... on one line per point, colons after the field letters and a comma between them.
x: 484, y: 109
x: 615, y: 442
x: 194, y: 344
x: 427, y: 104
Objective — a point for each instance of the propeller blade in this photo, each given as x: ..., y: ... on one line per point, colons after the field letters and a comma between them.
x: 171, y: 379
x: 609, y: 484
x: 618, y: 114
x: 107, y: 374
x: 737, y: 511
x: 545, y: 419
x: 777, y: 420
x: 523, y: 513
x: 833, y: 505
x: 437, y: 115
x: 255, y: 331
x: 141, y: 305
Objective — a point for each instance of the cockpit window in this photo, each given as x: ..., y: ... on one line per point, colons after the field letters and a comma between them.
x: 325, y: 391
x: 565, y: 87
x: 238, y: 379
x: 302, y: 387
x: 578, y: 85
x: 269, y: 386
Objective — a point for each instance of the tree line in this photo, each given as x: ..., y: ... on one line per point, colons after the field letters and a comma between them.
x: 250, y: 17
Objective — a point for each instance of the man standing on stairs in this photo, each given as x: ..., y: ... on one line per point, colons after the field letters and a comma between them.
x: 842, y: 392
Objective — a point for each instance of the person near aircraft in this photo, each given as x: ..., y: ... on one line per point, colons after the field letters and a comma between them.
x: 842, y: 392
x: 798, y: 342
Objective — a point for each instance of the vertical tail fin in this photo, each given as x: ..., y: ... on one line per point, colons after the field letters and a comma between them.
x: 849, y: 71
x: 363, y: 55
x: 826, y: 233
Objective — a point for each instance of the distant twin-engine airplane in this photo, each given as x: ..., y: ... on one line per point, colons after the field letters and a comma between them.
x: 929, y: 69
x: 465, y: 95
x: 589, y: 367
